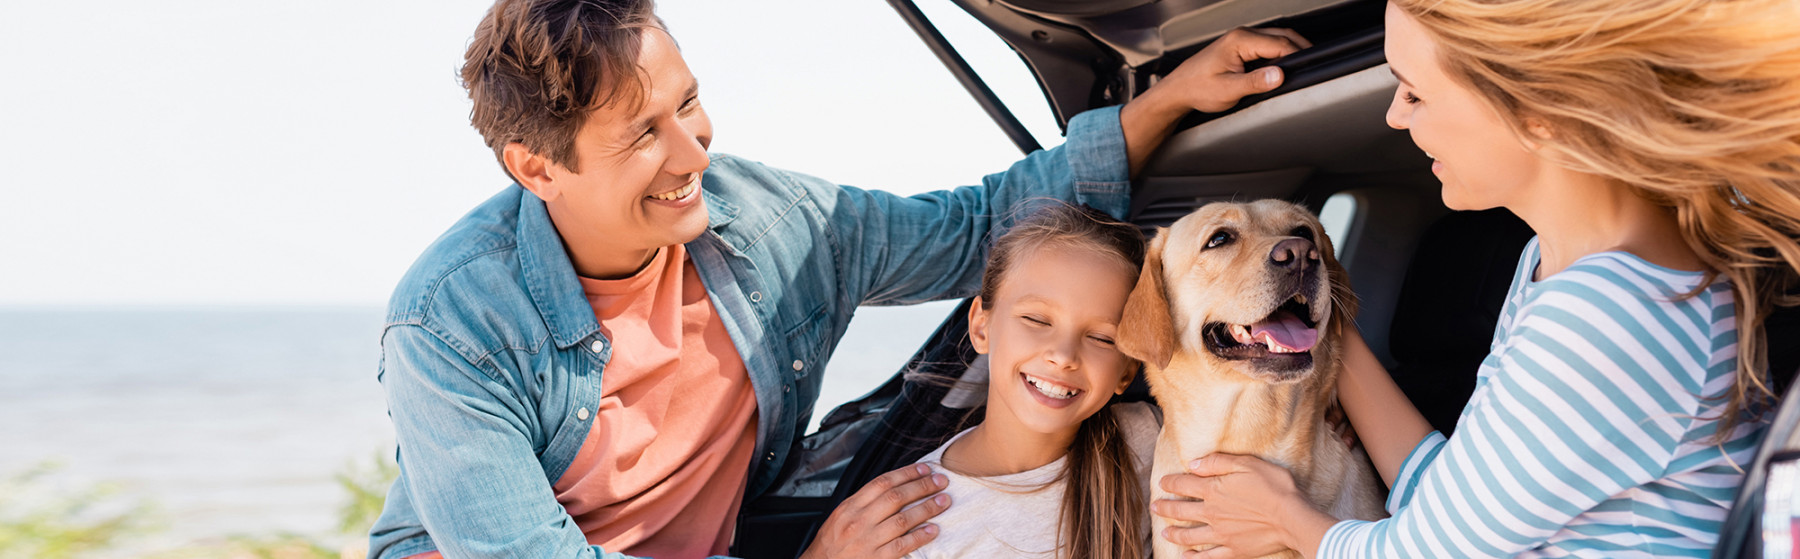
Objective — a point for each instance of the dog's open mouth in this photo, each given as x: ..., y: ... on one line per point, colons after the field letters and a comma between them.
x: 1284, y: 338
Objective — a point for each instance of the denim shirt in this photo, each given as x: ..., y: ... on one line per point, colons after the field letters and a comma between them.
x: 492, y: 358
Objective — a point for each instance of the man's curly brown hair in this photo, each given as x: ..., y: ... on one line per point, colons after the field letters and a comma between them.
x: 536, y: 68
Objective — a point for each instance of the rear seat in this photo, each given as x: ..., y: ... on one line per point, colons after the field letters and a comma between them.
x: 1451, y: 300
x: 1449, y: 303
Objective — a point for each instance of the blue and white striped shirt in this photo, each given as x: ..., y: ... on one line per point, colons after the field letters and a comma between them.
x: 1590, y: 432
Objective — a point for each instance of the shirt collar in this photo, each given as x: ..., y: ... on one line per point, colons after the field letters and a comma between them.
x: 550, y: 277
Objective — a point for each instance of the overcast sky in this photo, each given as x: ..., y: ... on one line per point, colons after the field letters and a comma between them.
x: 212, y: 152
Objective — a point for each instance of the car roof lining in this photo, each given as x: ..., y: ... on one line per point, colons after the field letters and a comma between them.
x: 1277, y: 148
x: 1338, y: 126
x: 1143, y: 31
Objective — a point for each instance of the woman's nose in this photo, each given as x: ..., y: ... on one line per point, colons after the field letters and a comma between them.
x: 1399, y: 112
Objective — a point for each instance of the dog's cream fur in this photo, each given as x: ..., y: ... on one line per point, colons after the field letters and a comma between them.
x: 1213, y: 404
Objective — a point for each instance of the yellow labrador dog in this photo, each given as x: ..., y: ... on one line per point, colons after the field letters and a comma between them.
x: 1236, y: 319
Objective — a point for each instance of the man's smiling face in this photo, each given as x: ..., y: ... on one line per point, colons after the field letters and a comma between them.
x: 639, y: 162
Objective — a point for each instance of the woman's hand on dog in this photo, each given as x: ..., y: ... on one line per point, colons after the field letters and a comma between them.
x: 875, y: 521
x: 1245, y: 506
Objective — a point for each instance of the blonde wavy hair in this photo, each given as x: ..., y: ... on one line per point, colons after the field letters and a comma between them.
x: 1694, y: 103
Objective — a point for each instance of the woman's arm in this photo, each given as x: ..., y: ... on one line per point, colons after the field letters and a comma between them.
x: 1386, y: 421
x: 1577, y: 412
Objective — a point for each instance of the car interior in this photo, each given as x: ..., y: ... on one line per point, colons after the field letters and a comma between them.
x: 1430, y: 281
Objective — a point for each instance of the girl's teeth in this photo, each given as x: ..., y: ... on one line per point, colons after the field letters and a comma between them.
x: 1050, y: 390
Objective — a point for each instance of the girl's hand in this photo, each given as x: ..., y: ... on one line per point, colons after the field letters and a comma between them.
x: 1250, y: 508
x: 874, y: 522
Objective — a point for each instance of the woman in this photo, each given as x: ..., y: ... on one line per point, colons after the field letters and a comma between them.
x: 1654, y: 145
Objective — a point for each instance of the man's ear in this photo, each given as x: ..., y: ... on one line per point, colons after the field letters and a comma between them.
x: 1146, y: 331
x: 978, y: 326
x: 531, y: 170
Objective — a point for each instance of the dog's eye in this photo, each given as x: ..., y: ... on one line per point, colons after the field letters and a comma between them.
x: 1221, y: 238
x: 1303, y: 232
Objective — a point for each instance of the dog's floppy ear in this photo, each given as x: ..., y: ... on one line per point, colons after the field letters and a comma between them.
x: 1146, y: 331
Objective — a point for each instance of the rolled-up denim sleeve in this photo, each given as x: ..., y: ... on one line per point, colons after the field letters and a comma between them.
x: 464, y: 453
x: 896, y: 250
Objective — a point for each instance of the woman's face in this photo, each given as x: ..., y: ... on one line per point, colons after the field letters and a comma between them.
x: 1480, y: 161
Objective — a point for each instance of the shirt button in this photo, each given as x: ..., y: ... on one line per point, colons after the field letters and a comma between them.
x: 799, y: 365
x: 581, y: 414
x: 598, y: 346
x: 755, y: 296
x: 786, y: 388
x: 770, y: 457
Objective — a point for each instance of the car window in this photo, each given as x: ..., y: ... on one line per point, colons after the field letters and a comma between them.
x: 1339, y: 211
x: 999, y: 66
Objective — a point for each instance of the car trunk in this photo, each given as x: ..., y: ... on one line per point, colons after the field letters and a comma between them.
x: 1429, y: 280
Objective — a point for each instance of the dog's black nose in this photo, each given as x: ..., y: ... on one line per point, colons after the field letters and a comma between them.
x: 1295, y: 254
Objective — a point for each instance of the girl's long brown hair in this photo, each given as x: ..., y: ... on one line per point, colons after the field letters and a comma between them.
x: 1104, y: 512
x: 1693, y: 103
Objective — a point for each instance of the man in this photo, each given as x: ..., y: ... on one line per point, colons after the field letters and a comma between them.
x: 608, y: 357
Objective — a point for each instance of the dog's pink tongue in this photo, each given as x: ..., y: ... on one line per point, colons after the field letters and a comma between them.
x: 1287, y: 330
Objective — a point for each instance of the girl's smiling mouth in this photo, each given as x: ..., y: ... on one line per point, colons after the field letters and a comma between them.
x: 1048, y: 392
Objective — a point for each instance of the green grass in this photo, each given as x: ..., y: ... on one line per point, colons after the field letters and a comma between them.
x: 41, y: 520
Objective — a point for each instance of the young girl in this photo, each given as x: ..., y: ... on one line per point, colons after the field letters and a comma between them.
x: 1655, y: 148
x: 1052, y: 471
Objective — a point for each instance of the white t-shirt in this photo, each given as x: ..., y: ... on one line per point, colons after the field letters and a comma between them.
x: 1016, y: 515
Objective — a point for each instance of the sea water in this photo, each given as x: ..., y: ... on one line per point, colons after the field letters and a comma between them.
x: 234, y: 421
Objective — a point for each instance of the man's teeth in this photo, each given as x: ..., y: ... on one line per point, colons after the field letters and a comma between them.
x: 1050, y: 389
x: 676, y: 194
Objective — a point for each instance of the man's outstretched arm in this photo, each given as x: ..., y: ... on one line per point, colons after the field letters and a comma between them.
x: 903, y: 250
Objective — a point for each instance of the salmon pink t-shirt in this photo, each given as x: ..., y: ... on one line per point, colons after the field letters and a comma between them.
x: 664, y: 466
x: 663, y: 469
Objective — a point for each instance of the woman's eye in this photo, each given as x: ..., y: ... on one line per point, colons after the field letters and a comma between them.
x: 1410, y: 98
x: 1101, y: 339
x: 1035, y: 321
x: 1219, y: 239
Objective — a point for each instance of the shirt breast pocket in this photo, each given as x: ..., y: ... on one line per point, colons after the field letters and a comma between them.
x: 808, y: 344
